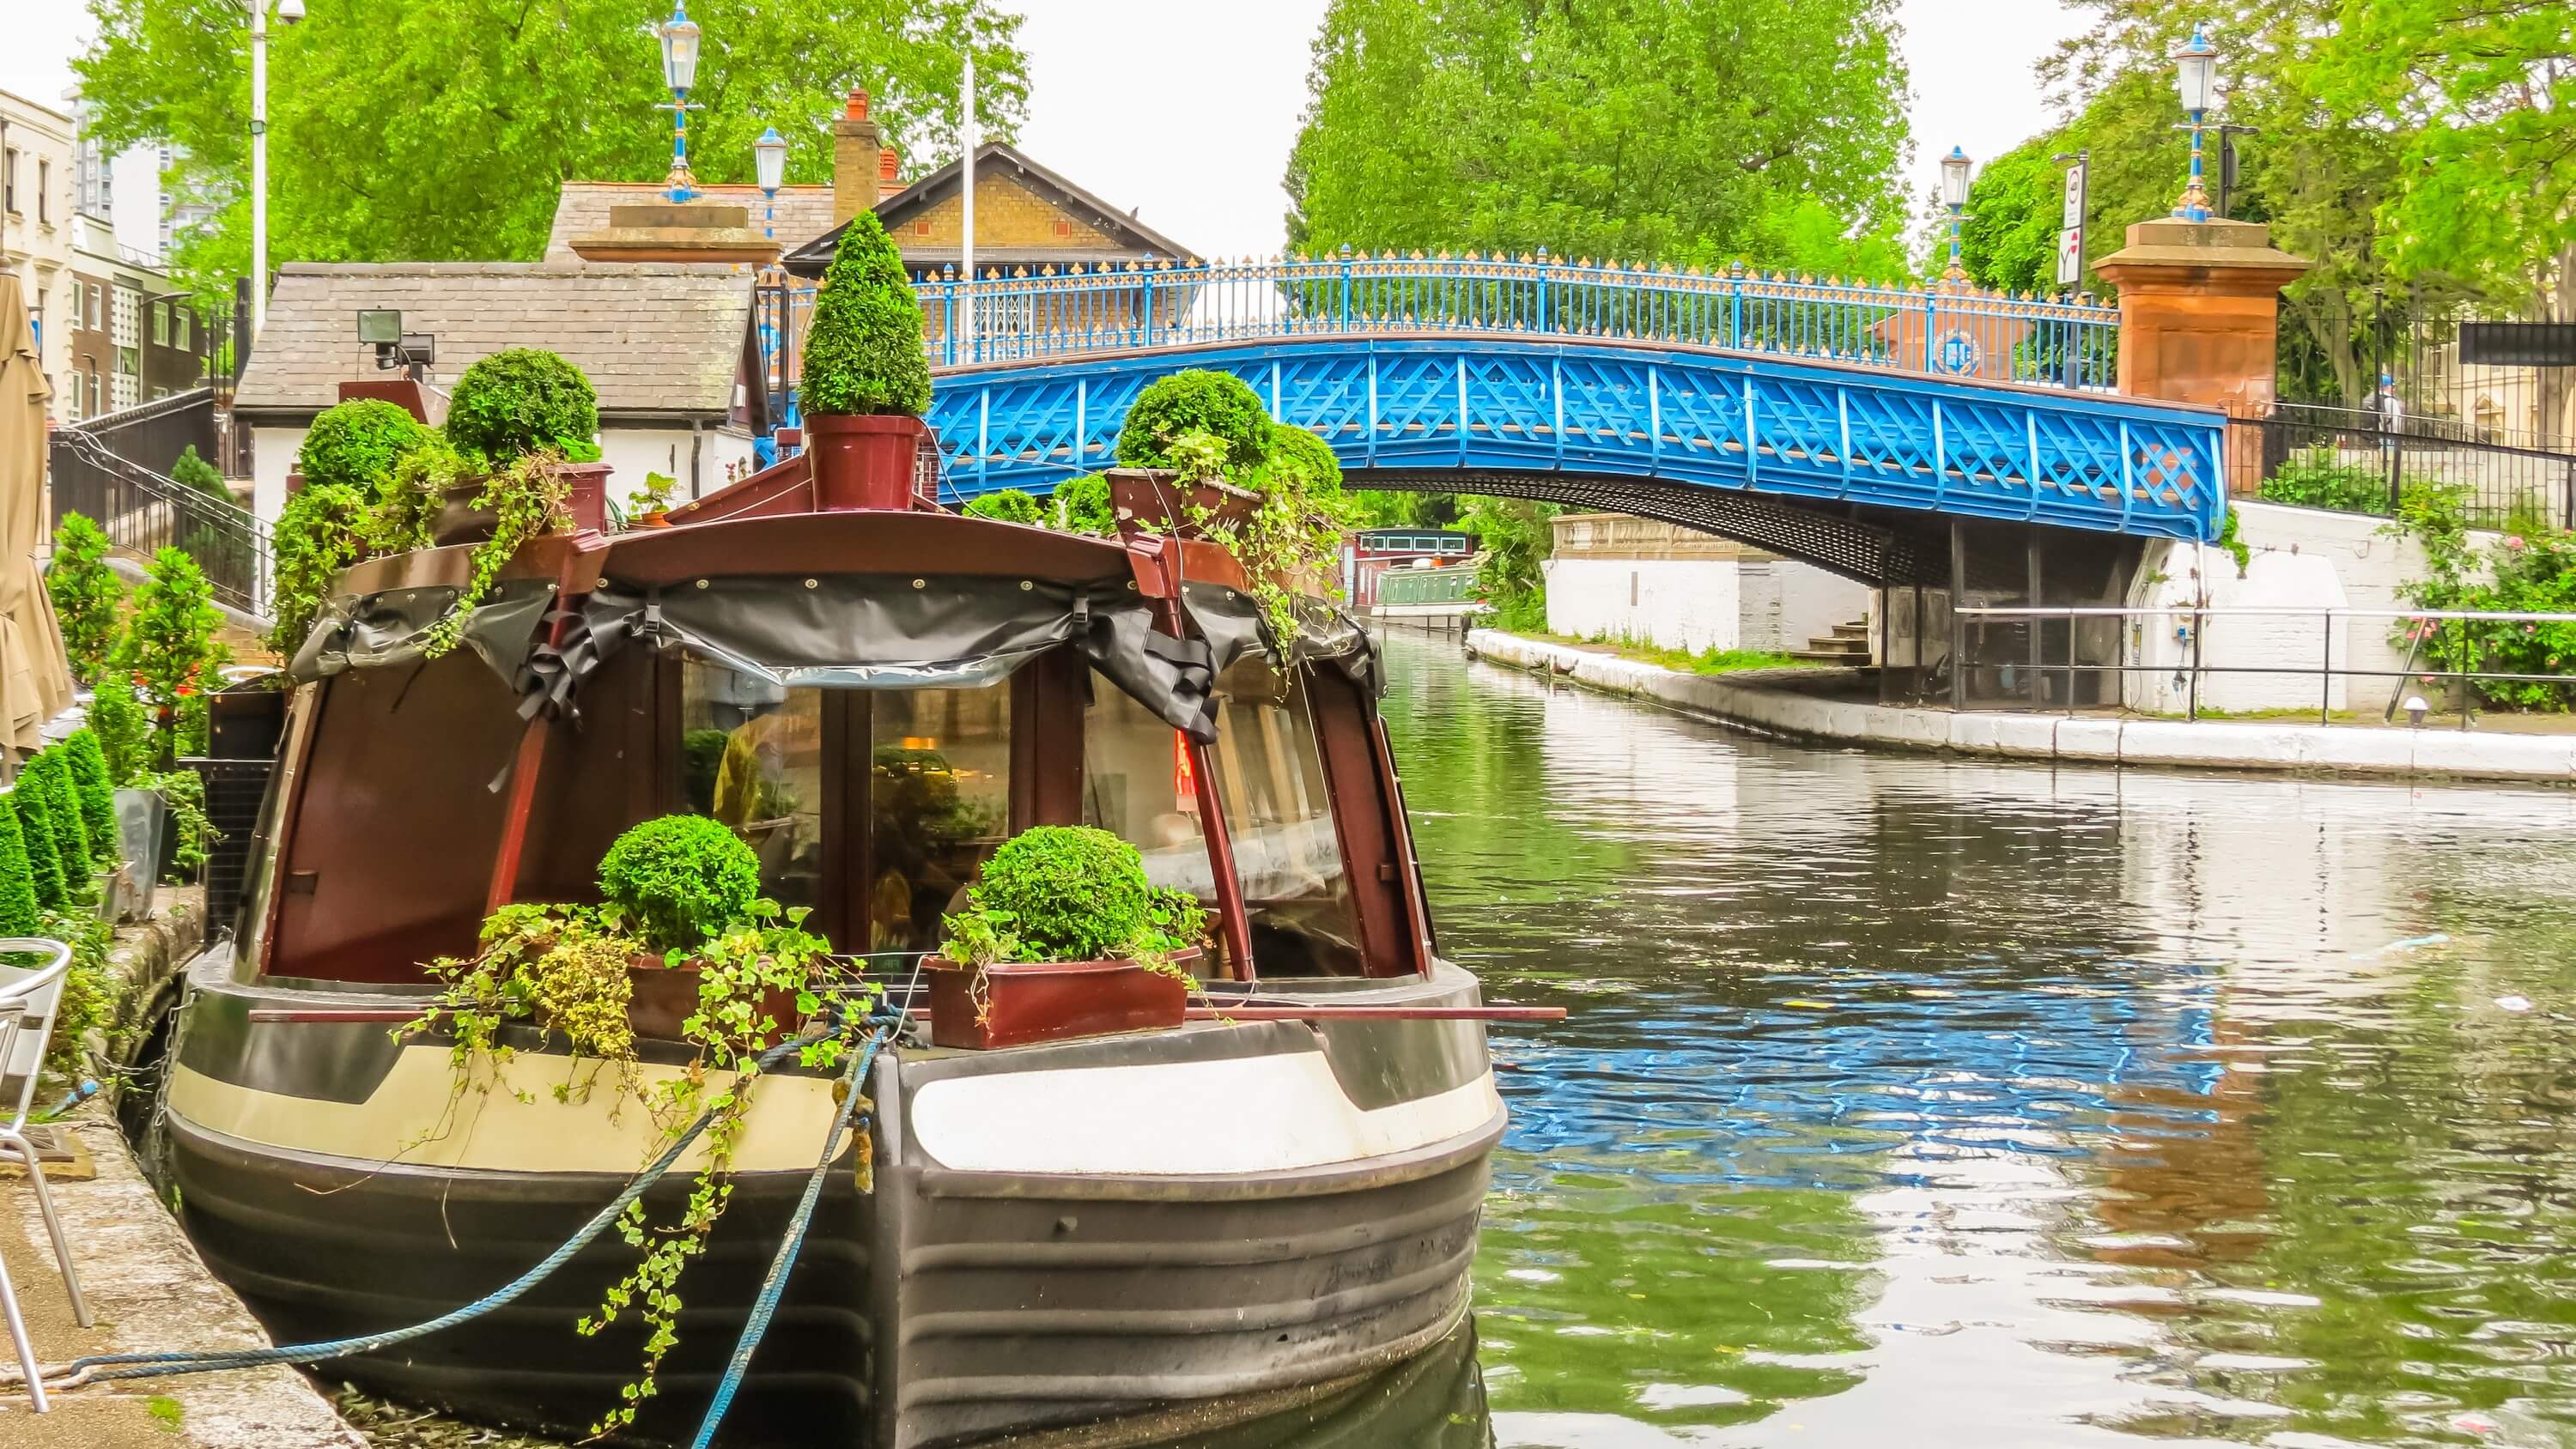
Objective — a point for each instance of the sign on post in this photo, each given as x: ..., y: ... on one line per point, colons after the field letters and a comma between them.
x: 2070, y: 240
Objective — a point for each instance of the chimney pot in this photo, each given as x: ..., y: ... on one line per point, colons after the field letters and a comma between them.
x: 889, y: 177
x: 856, y: 108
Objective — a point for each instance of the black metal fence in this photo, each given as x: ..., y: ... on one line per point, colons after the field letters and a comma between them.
x: 99, y: 472
x: 2358, y: 461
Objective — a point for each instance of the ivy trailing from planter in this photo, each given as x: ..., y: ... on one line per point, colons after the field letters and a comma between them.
x: 683, y: 889
x: 528, y: 498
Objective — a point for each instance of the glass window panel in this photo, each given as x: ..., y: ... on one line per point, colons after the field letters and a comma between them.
x: 1279, y: 817
x: 1136, y: 785
x: 751, y: 756
x: 940, y: 801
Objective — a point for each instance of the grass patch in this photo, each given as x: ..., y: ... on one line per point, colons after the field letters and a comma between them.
x: 165, y: 1411
x: 1707, y: 661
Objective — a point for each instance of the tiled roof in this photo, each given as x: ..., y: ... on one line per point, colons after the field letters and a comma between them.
x: 653, y: 337
x: 804, y: 212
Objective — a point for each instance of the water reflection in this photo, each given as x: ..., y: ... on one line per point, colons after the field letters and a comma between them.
x: 1927, y: 1103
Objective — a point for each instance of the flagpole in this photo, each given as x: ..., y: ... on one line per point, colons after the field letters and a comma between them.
x: 969, y: 136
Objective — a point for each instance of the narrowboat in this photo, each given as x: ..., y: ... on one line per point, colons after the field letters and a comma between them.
x: 1279, y: 1193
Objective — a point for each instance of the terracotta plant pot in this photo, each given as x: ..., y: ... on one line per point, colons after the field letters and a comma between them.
x: 665, y: 996
x: 1036, y: 1001
x: 865, y: 463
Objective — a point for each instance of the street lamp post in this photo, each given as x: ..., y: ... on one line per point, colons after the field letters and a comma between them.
x: 288, y: 12
x: 769, y: 159
x: 1954, y: 195
x: 680, y: 73
x: 2196, y: 81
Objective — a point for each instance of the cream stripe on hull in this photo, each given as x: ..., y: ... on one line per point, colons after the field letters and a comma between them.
x: 1266, y: 1113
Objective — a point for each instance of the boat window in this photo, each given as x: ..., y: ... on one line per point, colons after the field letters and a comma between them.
x: 1270, y: 778
x: 940, y: 803
x: 1279, y: 816
x: 751, y: 756
x: 1136, y: 785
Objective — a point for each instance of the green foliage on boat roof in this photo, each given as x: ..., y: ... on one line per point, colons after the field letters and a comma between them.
x: 1009, y: 505
x: 678, y: 880
x: 356, y: 444
x: 1218, y: 404
x: 520, y: 400
x: 863, y: 351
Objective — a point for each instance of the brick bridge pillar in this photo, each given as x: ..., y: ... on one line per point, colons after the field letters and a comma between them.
x: 2200, y: 308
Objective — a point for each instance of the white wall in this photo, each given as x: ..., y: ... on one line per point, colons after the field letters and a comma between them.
x: 1786, y: 603
x: 272, y: 457
x: 1692, y: 604
x: 629, y: 452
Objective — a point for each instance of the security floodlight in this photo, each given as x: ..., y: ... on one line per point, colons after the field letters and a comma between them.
x: 680, y: 50
x: 289, y: 11
x: 2196, y: 73
x: 769, y: 158
x: 379, y: 326
x: 1954, y: 178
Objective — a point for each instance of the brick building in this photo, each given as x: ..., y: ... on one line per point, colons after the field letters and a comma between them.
x: 129, y: 338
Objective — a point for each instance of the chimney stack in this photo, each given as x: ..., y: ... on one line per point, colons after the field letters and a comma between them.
x: 856, y: 148
x: 889, y: 182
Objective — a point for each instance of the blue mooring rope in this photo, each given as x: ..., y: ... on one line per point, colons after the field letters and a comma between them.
x: 773, y: 1287
x: 156, y: 1365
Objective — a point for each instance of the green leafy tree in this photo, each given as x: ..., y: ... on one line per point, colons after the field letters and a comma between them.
x: 441, y: 129
x: 171, y: 651
x: 1516, y: 537
x: 358, y: 443
x: 87, y: 594
x: 124, y: 733
x: 863, y: 352
x: 18, y: 910
x: 1692, y: 132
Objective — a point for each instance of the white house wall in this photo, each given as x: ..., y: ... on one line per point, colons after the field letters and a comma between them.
x: 1692, y: 604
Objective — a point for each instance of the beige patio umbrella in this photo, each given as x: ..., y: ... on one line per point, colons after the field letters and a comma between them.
x: 35, y: 680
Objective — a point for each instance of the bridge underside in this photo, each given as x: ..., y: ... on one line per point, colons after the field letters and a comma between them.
x: 1884, y: 548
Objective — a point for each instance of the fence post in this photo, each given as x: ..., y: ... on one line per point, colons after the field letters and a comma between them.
x: 1735, y: 309
x: 2389, y: 444
x: 1931, y: 325
x: 948, y: 315
x: 1542, y: 299
x: 1346, y: 287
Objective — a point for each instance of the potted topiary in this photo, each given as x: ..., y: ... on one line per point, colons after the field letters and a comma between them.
x: 687, y: 891
x: 865, y: 383
x: 517, y: 414
x: 1063, y: 936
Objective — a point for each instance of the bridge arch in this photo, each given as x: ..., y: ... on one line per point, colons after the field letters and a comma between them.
x: 1856, y: 468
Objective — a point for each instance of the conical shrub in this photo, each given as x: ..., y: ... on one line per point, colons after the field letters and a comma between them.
x: 50, y: 773
x: 863, y: 351
x: 18, y: 913
x: 44, y: 862
x: 88, y: 764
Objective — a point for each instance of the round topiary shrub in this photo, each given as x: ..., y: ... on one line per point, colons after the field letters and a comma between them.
x: 356, y: 444
x: 1216, y: 403
x: 1305, y: 452
x: 678, y: 880
x: 519, y: 400
x: 1009, y: 505
x: 863, y: 352
x: 87, y: 765
x: 1073, y: 893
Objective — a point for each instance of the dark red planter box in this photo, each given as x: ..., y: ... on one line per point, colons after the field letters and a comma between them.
x: 666, y: 996
x: 1035, y: 1001
x: 865, y: 463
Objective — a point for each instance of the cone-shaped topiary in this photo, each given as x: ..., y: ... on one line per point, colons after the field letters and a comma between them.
x: 18, y: 914
x: 205, y: 477
x: 863, y: 351
x: 44, y: 861
x: 1197, y: 401
x: 87, y: 594
x: 356, y: 445
x: 521, y: 399
x: 50, y: 773
x: 679, y: 880
x: 88, y: 764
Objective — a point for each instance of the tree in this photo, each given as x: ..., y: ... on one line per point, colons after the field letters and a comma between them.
x: 441, y: 129
x: 88, y: 596
x: 170, y: 648
x: 1691, y: 132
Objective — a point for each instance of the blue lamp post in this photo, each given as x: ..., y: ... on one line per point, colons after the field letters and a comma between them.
x: 1954, y: 195
x: 769, y: 158
x: 2196, y: 80
x: 680, y: 73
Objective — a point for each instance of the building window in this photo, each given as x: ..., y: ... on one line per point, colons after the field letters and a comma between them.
x: 90, y: 292
x: 44, y: 190
x: 9, y: 182
x: 129, y: 361
x: 178, y: 326
x: 160, y: 326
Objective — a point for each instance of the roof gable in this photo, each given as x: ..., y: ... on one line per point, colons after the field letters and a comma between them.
x: 655, y: 339
x: 1119, y: 232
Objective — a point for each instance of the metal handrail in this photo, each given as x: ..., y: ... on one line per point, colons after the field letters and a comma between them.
x: 2326, y: 616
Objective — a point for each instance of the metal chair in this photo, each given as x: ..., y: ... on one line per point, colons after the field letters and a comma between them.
x: 29, y: 1001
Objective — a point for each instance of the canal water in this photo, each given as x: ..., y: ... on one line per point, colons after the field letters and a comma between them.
x: 1910, y: 1101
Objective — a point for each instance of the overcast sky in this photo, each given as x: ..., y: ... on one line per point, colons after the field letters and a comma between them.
x: 1198, y: 148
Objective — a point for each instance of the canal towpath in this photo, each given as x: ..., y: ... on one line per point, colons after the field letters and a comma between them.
x: 1801, y: 703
